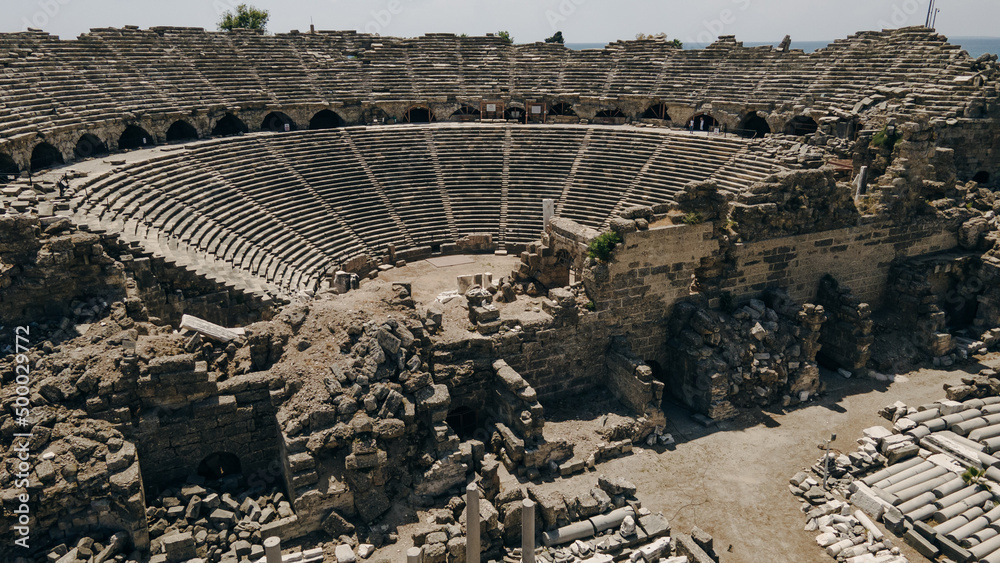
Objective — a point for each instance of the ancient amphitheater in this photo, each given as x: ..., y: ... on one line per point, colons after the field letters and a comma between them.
x: 328, y: 293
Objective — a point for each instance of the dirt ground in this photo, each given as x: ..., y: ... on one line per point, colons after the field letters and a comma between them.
x: 731, y: 479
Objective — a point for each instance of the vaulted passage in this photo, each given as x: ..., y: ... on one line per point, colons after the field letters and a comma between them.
x: 8, y: 168
x: 218, y: 465
x: 326, y: 119
x: 181, y: 131
x: 134, y: 137
x: 229, y: 125
x: 705, y: 122
x: 658, y: 111
x: 88, y: 146
x: 466, y: 113
x: 277, y: 122
x: 561, y: 109
x: 419, y: 115
x: 464, y: 421
x: 754, y: 126
x: 44, y: 156
x: 801, y: 126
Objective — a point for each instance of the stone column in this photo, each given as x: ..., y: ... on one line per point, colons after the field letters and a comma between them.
x: 548, y: 208
x: 527, y: 531
x: 412, y: 555
x: 472, y: 550
x: 272, y: 549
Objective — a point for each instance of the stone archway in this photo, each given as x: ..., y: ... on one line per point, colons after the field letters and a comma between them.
x: 8, y: 168
x: 326, y: 119
x: 562, y: 109
x: 229, y: 125
x: 181, y: 130
x: 419, y: 114
x: 134, y: 137
x: 45, y: 155
x: 705, y: 122
x: 277, y: 122
x: 656, y: 111
x: 89, y: 145
x: 801, y: 126
x: 465, y: 113
x: 754, y: 126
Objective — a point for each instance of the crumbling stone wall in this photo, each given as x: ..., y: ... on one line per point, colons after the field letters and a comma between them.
x: 84, y: 480
x: 791, y: 203
x: 859, y: 256
x: 762, y: 353
x: 46, y: 266
x: 847, y: 334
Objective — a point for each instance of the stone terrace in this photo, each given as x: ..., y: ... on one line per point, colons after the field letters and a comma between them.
x: 103, y: 76
x: 278, y: 211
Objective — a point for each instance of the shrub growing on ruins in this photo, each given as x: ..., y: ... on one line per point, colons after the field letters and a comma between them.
x: 693, y: 218
x: 973, y: 475
x: 245, y: 17
x: 885, y: 139
x: 603, y: 245
x: 505, y: 35
x: 557, y: 38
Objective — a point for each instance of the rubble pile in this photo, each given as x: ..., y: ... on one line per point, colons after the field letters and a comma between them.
x: 197, y: 521
x: 759, y: 353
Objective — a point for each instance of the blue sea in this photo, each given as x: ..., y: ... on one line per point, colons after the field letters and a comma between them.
x: 974, y: 45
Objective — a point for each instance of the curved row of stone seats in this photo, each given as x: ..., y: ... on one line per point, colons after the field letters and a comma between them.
x: 288, y: 208
x: 403, y: 167
x: 537, y: 170
x: 471, y: 168
x: 110, y: 73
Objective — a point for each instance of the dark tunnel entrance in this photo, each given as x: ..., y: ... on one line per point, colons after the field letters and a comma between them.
x: 464, y: 421
x: 219, y: 465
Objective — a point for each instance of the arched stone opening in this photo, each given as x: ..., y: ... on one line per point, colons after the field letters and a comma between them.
x: 613, y: 116
x: 801, y: 125
x: 134, y: 137
x: 656, y: 111
x: 8, y: 168
x: 277, y: 122
x: 45, y: 155
x: 229, y: 125
x: 705, y: 122
x: 219, y: 465
x: 181, y: 131
x: 981, y: 177
x: 562, y: 109
x: 465, y: 113
x: 754, y: 126
x: 419, y: 114
x: 326, y: 119
x: 89, y: 145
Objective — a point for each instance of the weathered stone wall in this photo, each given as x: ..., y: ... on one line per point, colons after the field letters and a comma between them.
x: 180, y: 426
x: 48, y: 267
x: 859, y: 257
x: 45, y: 267
x: 647, y: 274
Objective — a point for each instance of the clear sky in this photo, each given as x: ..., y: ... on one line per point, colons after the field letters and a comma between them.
x: 581, y: 21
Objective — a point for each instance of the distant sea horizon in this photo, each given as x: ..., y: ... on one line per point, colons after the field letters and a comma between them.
x: 976, y: 46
